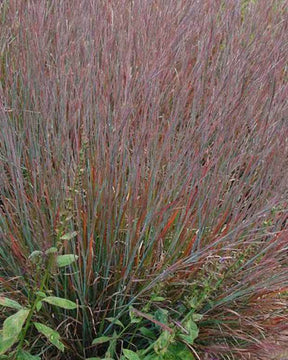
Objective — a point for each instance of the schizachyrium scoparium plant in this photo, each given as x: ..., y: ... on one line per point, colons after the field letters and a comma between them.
x: 149, y: 140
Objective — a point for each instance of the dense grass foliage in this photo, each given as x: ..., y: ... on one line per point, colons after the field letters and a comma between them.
x: 148, y: 139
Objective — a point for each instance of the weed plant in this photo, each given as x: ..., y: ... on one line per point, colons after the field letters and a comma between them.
x: 147, y: 140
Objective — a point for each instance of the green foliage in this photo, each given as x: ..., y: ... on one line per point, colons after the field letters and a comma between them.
x: 192, y: 331
x: 163, y: 342
x: 24, y: 355
x: 52, y: 335
x: 148, y: 324
x: 16, y: 326
x: 12, y: 327
x: 177, y: 351
x: 62, y: 303
x: 101, y: 340
x: 69, y: 236
x: 10, y: 303
x: 66, y: 260
x: 130, y: 355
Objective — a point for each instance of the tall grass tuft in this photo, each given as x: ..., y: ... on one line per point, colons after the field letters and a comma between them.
x: 155, y: 134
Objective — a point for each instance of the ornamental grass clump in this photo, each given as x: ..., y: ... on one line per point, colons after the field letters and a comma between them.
x: 143, y: 174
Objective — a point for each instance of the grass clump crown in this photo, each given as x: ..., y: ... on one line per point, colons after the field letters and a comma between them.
x: 143, y: 179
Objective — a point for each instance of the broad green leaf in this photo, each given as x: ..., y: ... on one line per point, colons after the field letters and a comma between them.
x: 193, y: 302
x: 6, y: 344
x: 12, y: 326
x: 115, y: 321
x: 38, y: 305
x: 69, y: 236
x: 192, y: 332
x: 112, y: 347
x: 63, y: 303
x: 178, y: 351
x: 36, y: 256
x: 40, y: 293
x: 130, y: 355
x: 197, y: 317
x: 161, y: 315
x: 101, y: 340
x: 35, y: 253
x: 65, y: 260
x: 10, y: 303
x: 52, y: 335
x: 162, y: 343
x: 51, y: 250
x: 24, y: 355
x: 148, y: 333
